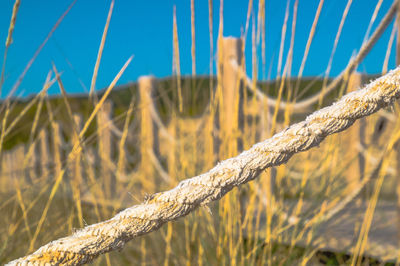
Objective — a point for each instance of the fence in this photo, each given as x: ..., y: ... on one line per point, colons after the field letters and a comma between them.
x: 230, y: 123
x: 88, y: 243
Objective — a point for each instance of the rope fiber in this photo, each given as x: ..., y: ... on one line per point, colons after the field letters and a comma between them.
x: 88, y: 243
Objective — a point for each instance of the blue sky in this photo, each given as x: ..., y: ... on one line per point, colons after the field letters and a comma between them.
x: 144, y: 29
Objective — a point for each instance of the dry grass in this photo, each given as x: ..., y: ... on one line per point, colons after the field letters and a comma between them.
x: 70, y: 175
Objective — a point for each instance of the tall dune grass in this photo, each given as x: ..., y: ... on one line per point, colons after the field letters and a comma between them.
x: 81, y: 165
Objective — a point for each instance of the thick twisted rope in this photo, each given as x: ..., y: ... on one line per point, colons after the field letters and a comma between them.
x: 88, y: 243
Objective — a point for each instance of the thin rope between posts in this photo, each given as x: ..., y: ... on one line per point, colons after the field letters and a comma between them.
x: 88, y: 243
x: 305, y: 104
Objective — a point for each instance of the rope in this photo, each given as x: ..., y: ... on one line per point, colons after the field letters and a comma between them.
x: 306, y: 103
x: 163, y: 129
x: 88, y: 243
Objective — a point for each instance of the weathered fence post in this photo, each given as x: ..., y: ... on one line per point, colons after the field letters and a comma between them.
x: 231, y: 104
x: 104, y: 120
x: 209, y: 139
x: 148, y: 134
x: 19, y: 152
x: 75, y: 169
x: 356, y: 137
x: 9, y: 158
x: 75, y: 166
x: 230, y: 122
x: 3, y: 171
x: 16, y: 156
x: 31, y: 162
x: 11, y: 168
x: 146, y: 139
x: 45, y: 158
x: 57, y: 147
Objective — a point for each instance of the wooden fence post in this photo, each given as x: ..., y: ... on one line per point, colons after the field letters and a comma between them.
x: 230, y: 129
x: 11, y: 169
x: 104, y: 120
x: 45, y: 158
x: 3, y: 172
x: 57, y: 147
x: 19, y: 153
x: 209, y: 147
x: 16, y: 155
x: 231, y: 104
x: 356, y: 137
x: 75, y: 172
x: 31, y: 163
x: 75, y: 166
x: 148, y: 135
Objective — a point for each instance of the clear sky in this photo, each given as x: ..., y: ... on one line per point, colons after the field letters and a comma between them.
x: 144, y: 29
